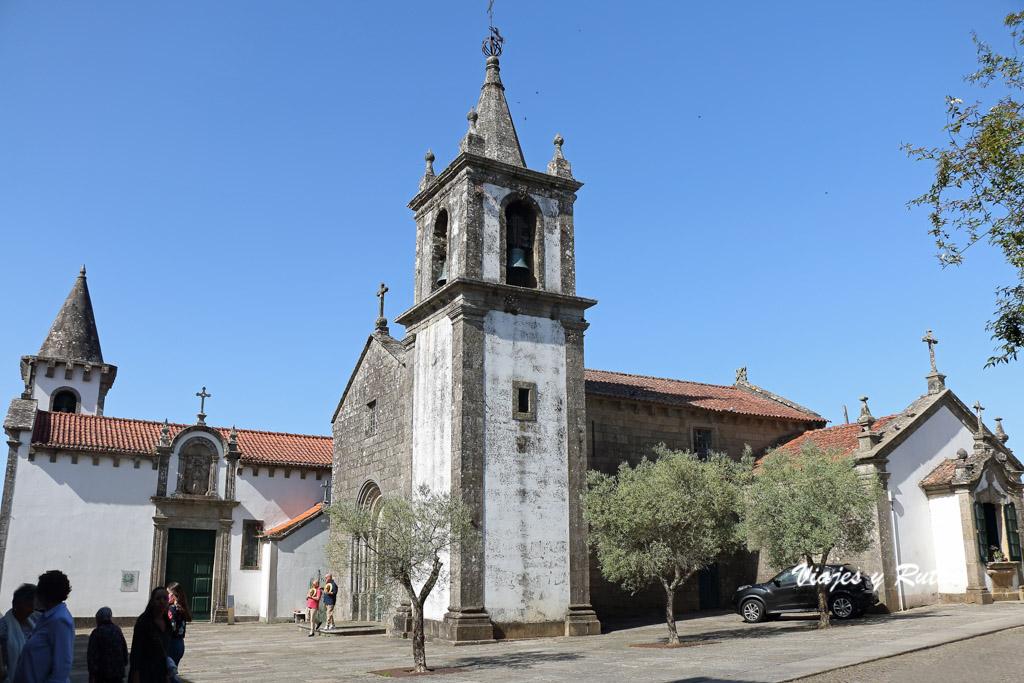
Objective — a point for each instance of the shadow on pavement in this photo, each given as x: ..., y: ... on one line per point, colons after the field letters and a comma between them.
x: 517, y: 660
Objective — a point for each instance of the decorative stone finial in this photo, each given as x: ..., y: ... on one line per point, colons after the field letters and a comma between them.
x: 936, y: 380
x: 867, y: 438
x: 960, y: 469
x: 741, y: 374
x: 428, y: 173
x: 165, y: 434
x: 866, y: 419
x: 472, y: 116
x: 558, y: 165
x: 81, y: 273
x: 233, y: 435
x: 1000, y: 434
x: 473, y: 142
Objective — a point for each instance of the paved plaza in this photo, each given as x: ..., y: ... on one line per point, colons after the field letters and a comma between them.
x: 725, y: 649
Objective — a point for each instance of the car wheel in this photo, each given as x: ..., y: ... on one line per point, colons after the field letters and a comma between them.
x: 842, y: 606
x: 752, y: 611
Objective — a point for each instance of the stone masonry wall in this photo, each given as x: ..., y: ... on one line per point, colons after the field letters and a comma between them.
x: 621, y: 430
x: 383, y: 454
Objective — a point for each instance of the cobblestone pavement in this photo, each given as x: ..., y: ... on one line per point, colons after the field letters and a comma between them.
x: 728, y: 650
x: 991, y: 657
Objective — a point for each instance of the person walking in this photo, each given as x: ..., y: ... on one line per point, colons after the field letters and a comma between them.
x: 180, y: 615
x: 16, y: 628
x: 312, y: 605
x: 330, y: 597
x: 151, y: 641
x: 107, y: 655
x: 47, y: 653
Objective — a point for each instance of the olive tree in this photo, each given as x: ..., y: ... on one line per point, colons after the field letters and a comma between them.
x: 803, y: 507
x: 664, y: 520
x: 407, y: 538
x: 978, y: 191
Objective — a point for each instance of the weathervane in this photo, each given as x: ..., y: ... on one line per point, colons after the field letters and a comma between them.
x: 492, y: 44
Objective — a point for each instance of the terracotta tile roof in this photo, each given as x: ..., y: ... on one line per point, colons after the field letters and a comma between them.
x: 127, y: 436
x: 841, y: 437
x: 295, y: 521
x: 677, y: 392
x: 944, y: 471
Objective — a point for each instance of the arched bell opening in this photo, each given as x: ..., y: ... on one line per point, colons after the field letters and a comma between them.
x: 65, y: 400
x: 520, y: 240
x: 439, y: 251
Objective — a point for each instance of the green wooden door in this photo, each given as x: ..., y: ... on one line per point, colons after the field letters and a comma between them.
x: 190, y: 563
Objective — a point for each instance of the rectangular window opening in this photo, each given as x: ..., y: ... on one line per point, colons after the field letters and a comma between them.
x: 251, y: 530
x: 524, y: 400
x: 702, y: 442
x: 371, y: 417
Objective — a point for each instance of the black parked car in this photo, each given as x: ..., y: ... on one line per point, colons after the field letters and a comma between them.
x: 850, y: 594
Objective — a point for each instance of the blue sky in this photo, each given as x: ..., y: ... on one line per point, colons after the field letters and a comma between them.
x: 235, y: 177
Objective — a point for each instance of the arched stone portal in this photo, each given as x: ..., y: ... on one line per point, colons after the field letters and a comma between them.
x: 367, y: 596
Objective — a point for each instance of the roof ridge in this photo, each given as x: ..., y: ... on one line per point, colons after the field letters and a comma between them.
x: 663, y: 379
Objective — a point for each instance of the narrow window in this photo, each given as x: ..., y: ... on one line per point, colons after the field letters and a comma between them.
x: 520, y: 228
x: 702, y: 442
x: 371, y: 417
x: 524, y: 400
x: 251, y: 530
x: 1012, y: 533
x: 65, y: 401
x: 439, y: 252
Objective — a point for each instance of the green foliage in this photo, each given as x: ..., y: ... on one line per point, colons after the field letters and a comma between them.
x: 664, y: 519
x: 406, y: 536
x: 801, y: 508
x: 978, y: 192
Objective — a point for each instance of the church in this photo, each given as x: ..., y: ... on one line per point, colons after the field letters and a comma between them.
x: 484, y: 394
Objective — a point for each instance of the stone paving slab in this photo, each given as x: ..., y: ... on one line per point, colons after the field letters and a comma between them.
x: 729, y: 649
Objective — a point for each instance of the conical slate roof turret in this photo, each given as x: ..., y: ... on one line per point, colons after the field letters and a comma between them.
x: 494, y: 122
x: 73, y: 335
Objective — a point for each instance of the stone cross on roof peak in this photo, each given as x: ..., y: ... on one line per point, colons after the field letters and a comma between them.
x: 931, y: 341
x: 978, y: 408
x: 382, y: 322
x: 202, y: 405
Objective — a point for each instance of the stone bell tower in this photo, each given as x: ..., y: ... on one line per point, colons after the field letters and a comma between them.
x: 498, y: 388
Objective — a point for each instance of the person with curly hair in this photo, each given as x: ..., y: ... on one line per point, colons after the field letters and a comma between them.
x: 47, y: 653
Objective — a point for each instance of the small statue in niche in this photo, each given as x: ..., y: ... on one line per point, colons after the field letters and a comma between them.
x: 194, y: 477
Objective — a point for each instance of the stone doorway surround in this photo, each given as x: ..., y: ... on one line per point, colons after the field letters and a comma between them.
x: 195, y: 512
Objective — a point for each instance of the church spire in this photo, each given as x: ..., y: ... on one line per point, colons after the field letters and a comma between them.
x: 495, y: 121
x: 73, y: 335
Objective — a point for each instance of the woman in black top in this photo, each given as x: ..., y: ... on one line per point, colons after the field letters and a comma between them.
x: 151, y: 642
x: 180, y: 615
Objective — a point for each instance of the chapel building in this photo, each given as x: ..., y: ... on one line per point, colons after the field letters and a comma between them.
x: 125, y: 505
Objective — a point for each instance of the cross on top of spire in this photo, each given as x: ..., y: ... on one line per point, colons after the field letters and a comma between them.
x: 492, y: 44
x: 380, y: 295
x: 931, y: 342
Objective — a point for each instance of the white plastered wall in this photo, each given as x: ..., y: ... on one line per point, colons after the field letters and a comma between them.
x: 432, y: 430
x: 526, y: 496
x: 937, y: 439
x: 90, y: 521
x: 493, y: 237
x: 288, y: 565
x: 89, y: 392
x: 274, y: 500
x: 948, y: 542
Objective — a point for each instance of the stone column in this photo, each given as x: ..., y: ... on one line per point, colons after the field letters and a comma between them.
x: 580, y: 618
x: 13, y: 444
x: 977, y: 589
x: 467, y: 619
x: 159, y: 562
x: 163, y: 454
x: 221, y: 569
